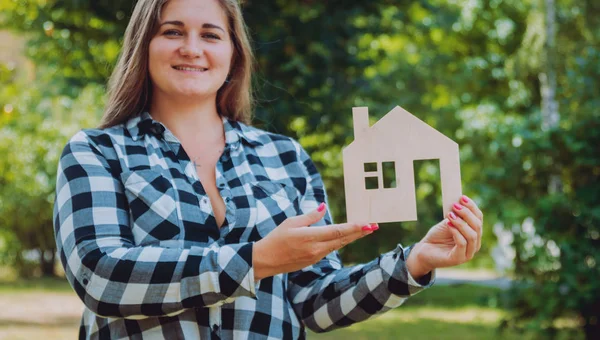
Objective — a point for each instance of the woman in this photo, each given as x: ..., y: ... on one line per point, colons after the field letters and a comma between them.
x: 177, y: 220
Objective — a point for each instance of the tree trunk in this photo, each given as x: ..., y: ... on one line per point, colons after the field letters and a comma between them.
x: 550, y: 113
x: 591, y: 330
x: 47, y: 258
x: 21, y: 267
x: 591, y: 317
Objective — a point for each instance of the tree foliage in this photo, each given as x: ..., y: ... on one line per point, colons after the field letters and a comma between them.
x: 471, y: 69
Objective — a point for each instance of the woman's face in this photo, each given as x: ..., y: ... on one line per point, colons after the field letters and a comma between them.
x: 190, y: 55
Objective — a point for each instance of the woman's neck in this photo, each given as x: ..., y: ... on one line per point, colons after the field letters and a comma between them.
x: 190, y: 121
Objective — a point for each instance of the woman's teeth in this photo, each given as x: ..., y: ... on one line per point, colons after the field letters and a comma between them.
x: 189, y: 69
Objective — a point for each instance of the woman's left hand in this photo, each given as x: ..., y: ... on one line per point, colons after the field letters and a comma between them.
x: 451, y: 242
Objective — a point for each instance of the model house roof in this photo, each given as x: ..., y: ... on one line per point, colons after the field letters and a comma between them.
x: 400, y: 128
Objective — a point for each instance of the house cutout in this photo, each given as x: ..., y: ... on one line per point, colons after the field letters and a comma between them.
x: 391, y: 146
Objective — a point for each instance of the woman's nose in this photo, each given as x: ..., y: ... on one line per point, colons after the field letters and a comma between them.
x: 191, y: 48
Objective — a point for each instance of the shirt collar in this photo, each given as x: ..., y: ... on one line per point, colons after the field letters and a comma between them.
x: 234, y: 131
x: 143, y: 124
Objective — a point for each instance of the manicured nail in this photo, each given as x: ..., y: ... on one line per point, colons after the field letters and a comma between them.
x: 452, y: 215
x: 321, y: 207
x: 457, y: 206
x: 450, y: 224
x: 367, y: 228
x: 465, y: 199
x: 374, y: 226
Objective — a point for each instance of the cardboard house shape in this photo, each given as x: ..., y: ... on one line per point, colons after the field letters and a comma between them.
x: 392, y: 144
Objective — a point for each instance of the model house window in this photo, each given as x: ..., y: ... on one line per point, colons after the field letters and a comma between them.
x: 380, y: 175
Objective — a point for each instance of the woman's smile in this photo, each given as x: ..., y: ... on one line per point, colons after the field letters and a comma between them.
x: 190, y: 69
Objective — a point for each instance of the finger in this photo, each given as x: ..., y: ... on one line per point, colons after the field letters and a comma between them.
x: 469, y: 203
x: 335, y: 244
x: 337, y: 231
x: 467, y: 232
x: 480, y: 238
x: 309, y: 218
x: 460, y: 249
x: 473, y: 221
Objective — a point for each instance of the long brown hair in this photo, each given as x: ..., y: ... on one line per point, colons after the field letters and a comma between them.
x: 129, y: 86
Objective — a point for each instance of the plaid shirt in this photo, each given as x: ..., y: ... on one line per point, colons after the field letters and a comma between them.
x: 142, y: 249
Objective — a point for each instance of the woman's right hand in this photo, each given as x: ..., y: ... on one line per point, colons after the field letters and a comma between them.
x: 294, y: 244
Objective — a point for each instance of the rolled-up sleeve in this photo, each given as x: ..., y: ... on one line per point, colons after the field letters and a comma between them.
x: 113, y: 276
x: 327, y: 295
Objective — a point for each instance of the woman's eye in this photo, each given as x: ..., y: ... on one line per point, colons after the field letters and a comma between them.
x: 211, y: 36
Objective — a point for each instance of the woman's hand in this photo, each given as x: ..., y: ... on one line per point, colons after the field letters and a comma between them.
x: 451, y: 242
x: 294, y: 245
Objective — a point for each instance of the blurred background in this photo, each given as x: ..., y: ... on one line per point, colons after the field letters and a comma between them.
x: 516, y: 83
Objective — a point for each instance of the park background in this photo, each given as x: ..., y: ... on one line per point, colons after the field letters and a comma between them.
x: 516, y: 83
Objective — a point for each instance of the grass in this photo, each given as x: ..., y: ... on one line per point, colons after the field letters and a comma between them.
x: 441, y: 312
x: 49, y: 285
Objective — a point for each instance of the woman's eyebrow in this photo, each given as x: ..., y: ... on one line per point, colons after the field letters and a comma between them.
x: 179, y: 23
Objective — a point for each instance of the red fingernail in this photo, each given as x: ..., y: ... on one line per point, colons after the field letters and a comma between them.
x: 374, y: 226
x: 452, y: 215
x: 450, y: 224
x: 465, y: 199
x: 366, y: 228
x: 321, y: 207
x: 457, y: 206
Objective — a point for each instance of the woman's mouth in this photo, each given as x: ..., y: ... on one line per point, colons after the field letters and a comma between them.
x: 190, y: 69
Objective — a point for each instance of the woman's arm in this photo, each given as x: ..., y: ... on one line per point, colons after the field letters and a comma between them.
x: 113, y: 276
x: 327, y: 296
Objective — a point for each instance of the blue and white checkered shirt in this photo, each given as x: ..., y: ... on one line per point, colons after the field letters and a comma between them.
x: 142, y: 249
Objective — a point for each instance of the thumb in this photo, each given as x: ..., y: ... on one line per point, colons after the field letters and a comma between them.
x: 309, y: 218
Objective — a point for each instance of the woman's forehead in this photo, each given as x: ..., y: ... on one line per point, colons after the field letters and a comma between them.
x: 194, y: 12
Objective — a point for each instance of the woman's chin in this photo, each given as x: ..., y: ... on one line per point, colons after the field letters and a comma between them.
x: 194, y: 93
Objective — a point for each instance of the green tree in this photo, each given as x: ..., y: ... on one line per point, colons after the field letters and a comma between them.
x: 33, y: 129
x: 478, y: 71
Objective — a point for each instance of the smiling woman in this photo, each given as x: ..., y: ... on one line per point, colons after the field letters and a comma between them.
x: 192, y: 26
x: 176, y: 219
x: 191, y: 53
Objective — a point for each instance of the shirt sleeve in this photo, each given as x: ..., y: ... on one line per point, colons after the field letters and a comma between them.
x: 113, y: 276
x: 327, y: 295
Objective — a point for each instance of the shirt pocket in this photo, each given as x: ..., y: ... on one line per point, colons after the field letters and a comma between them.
x: 275, y: 202
x: 152, y: 206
